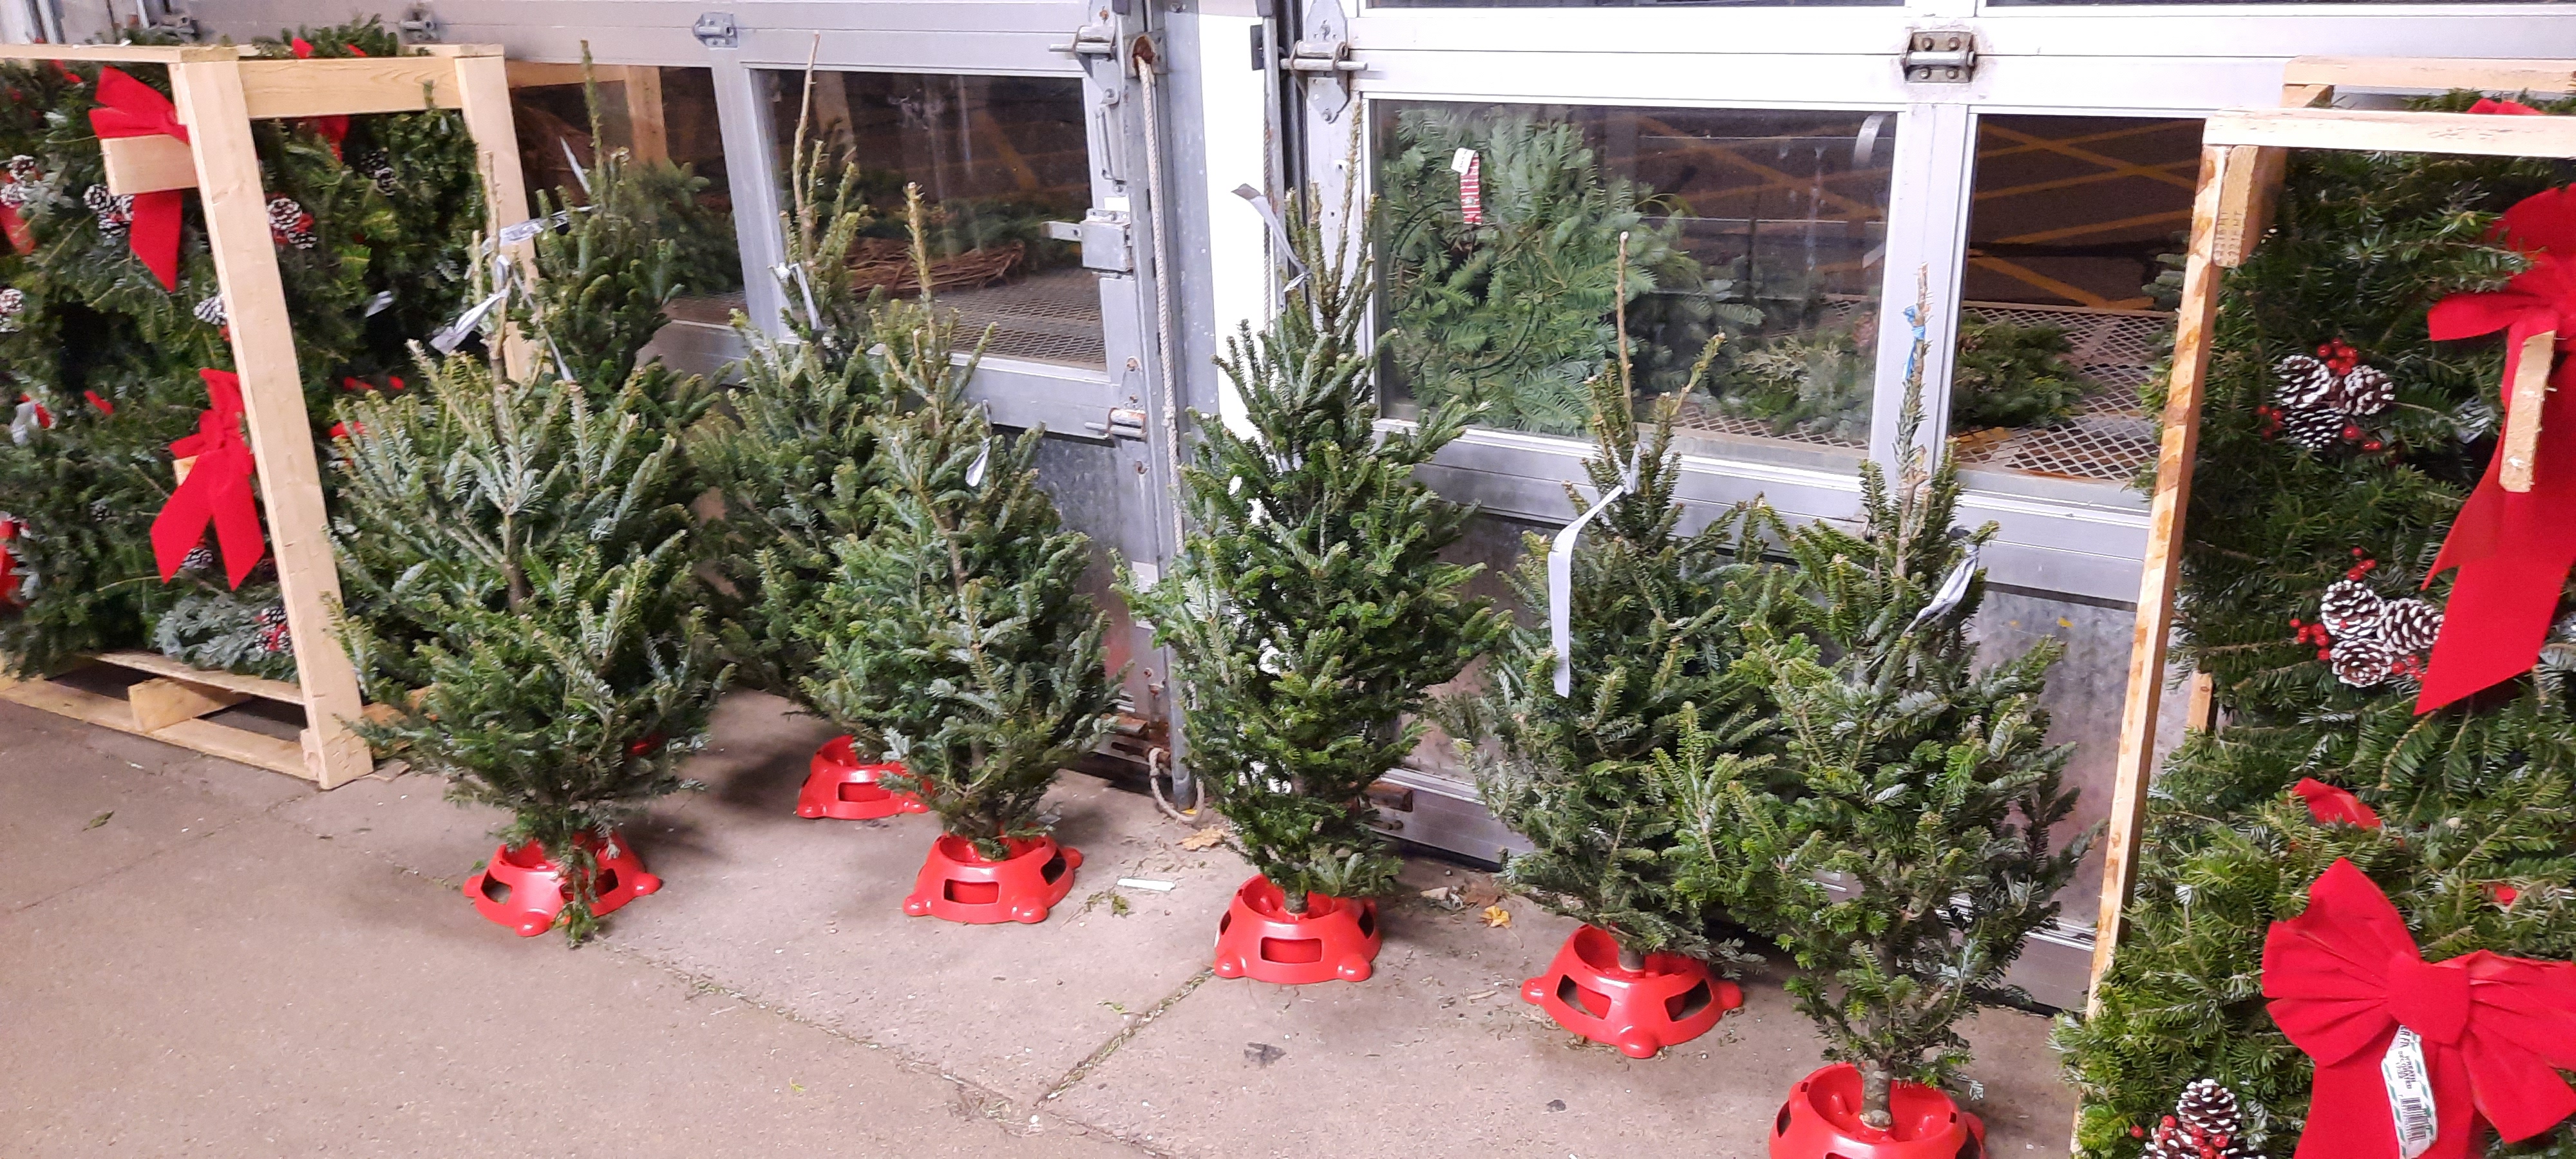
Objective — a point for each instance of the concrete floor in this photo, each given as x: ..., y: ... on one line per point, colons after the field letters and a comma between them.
x: 200, y: 958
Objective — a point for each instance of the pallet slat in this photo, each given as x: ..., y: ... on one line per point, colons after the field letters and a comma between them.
x: 160, y: 665
x: 232, y: 744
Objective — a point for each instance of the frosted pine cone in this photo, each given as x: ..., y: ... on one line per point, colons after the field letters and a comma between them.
x: 24, y: 182
x: 375, y: 166
x: 199, y: 558
x: 114, y: 212
x: 2306, y: 384
x: 13, y: 301
x: 2367, y: 391
x: 211, y: 311
x: 273, y: 636
x: 2362, y: 661
x: 2316, y: 430
x: 2409, y: 626
x: 2351, y: 609
x: 2205, y: 1125
x: 289, y: 225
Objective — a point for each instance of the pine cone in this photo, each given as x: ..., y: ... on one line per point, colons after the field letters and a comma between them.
x: 211, y: 311
x: 2317, y: 430
x: 273, y: 636
x: 2362, y: 661
x: 2306, y: 383
x: 2350, y: 609
x: 2205, y: 1125
x: 2409, y: 626
x: 13, y: 301
x: 114, y: 212
x: 2367, y: 391
x: 199, y: 558
x: 288, y: 224
x: 379, y: 168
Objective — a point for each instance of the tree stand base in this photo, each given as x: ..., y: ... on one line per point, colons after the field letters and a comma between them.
x: 958, y: 885
x: 1822, y: 1119
x: 522, y: 889
x: 1335, y: 939
x: 840, y: 787
x: 1672, y: 1001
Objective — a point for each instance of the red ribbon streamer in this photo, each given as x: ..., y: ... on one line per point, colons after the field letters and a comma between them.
x: 217, y: 490
x: 2343, y: 976
x: 14, y: 225
x: 2513, y: 549
x: 334, y: 127
x: 2329, y: 805
x: 130, y: 108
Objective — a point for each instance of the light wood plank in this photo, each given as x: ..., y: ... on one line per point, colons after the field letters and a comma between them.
x: 2393, y: 130
x: 257, y: 750
x: 452, y: 51
x: 148, y: 164
x: 2202, y: 713
x: 123, y: 53
x: 354, y: 85
x: 484, y: 85
x: 2135, y: 764
x: 2524, y: 397
x: 211, y: 100
x: 161, y: 702
x: 160, y: 665
x: 2432, y: 74
x: 652, y: 140
x: 540, y: 73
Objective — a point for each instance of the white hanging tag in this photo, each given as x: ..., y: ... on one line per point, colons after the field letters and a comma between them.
x: 983, y: 458
x: 793, y: 273
x: 383, y: 300
x: 26, y: 423
x: 578, y: 173
x: 1560, y: 580
x: 2410, y: 1094
x: 1954, y: 588
x: 1471, y: 185
x: 446, y: 341
x: 1278, y: 232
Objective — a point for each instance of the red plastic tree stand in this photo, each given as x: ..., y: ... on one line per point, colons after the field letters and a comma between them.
x: 1822, y: 1121
x: 1336, y: 938
x: 958, y: 885
x: 839, y: 786
x: 522, y: 889
x: 1672, y: 1001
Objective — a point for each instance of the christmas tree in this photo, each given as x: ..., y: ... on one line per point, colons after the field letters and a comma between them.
x: 1513, y: 312
x: 2011, y: 376
x: 521, y: 597
x: 793, y: 452
x: 955, y: 636
x: 1310, y: 611
x: 1918, y: 782
x: 1658, y: 621
x: 2300, y: 548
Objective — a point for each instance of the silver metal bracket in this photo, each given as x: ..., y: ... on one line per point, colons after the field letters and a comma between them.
x: 717, y: 30
x: 1940, y: 56
x: 1324, y: 59
x: 1107, y: 247
x: 1127, y: 423
x: 1089, y: 40
x: 418, y: 26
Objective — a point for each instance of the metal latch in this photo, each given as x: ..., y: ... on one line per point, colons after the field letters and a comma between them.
x: 717, y: 30
x: 419, y: 25
x: 1323, y: 57
x: 1089, y: 40
x: 1127, y: 423
x: 1940, y: 56
x: 1106, y: 248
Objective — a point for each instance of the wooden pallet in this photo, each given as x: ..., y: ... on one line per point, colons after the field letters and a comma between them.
x: 170, y: 707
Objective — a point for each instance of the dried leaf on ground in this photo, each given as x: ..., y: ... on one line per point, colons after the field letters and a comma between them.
x: 1446, y: 897
x: 1496, y: 917
x: 1482, y: 892
x: 1207, y: 838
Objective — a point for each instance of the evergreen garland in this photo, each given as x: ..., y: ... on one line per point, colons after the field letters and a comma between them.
x: 1309, y: 609
x: 2476, y: 797
x: 2011, y: 376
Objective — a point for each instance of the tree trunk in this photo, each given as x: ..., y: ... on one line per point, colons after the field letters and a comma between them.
x: 1293, y: 900
x: 1874, y: 1110
x: 1631, y: 959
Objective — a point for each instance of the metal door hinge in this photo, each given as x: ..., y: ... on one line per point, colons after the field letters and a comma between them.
x: 717, y: 30
x: 1323, y: 57
x: 1089, y: 40
x: 1940, y: 56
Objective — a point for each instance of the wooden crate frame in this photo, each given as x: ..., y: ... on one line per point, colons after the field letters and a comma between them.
x: 2243, y: 155
x: 218, y: 92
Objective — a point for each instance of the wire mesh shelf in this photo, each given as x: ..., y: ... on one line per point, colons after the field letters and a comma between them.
x: 2109, y: 438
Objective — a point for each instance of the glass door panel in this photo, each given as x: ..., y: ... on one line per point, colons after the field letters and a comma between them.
x: 1755, y: 239
x: 2065, y: 308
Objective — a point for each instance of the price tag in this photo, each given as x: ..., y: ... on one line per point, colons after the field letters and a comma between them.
x: 2410, y: 1094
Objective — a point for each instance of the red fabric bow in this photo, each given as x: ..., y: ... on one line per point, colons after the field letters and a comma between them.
x: 2513, y: 549
x: 8, y: 564
x: 217, y: 489
x: 130, y: 108
x: 2343, y: 977
x: 2505, y: 108
x: 334, y: 127
x: 2328, y: 804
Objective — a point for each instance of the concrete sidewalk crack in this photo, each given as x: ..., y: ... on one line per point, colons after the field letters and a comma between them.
x: 1083, y: 1069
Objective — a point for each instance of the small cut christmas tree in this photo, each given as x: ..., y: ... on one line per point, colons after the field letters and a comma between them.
x: 1310, y: 610
x: 1920, y: 784
x: 522, y: 603
x: 956, y: 637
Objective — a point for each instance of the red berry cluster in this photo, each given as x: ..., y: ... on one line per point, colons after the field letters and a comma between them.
x: 2192, y: 1141
x: 2338, y: 354
x: 2363, y: 568
x: 2313, y: 634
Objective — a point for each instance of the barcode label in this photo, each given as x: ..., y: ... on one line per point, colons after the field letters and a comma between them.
x: 2410, y: 1094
